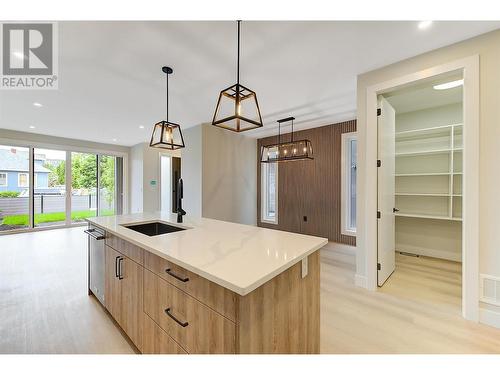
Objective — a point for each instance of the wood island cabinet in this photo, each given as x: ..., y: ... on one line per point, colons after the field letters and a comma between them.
x: 123, y: 293
x: 166, y: 309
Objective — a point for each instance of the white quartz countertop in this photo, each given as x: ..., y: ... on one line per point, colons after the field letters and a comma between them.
x: 236, y: 256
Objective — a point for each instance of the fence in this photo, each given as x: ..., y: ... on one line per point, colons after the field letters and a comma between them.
x: 50, y: 203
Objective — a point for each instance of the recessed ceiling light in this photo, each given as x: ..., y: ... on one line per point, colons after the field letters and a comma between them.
x: 36, y: 104
x: 114, y: 139
x: 449, y: 85
x: 32, y: 126
x: 424, y: 24
x: 141, y: 126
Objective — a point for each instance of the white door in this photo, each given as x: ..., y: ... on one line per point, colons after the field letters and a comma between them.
x: 166, y: 183
x: 386, y: 256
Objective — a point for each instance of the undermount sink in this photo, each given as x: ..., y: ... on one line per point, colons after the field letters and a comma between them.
x: 154, y: 228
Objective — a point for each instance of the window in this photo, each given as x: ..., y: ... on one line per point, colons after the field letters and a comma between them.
x: 22, y: 180
x: 269, y: 192
x: 3, y: 179
x: 348, y: 207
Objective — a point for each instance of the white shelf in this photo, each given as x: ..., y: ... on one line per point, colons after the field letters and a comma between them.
x: 432, y: 130
x: 413, y: 147
x: 424, y: 174
x: 423, y: 194
x: 420, y: 216
x: 425, y: 152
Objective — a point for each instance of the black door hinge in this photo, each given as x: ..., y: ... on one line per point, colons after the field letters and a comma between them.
x: 379, y: 267
x: 378, y: 214
x: 379, y: 163
x: 379, y: 111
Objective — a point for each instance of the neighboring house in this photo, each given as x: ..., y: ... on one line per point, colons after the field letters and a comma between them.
x: 14, y: 173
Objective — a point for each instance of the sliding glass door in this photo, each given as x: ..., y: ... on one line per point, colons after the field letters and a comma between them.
x: 14, y: 188
x: 107, y: 185
x: 83, y: 186
x: 49, y: 187
x: 46, y: 187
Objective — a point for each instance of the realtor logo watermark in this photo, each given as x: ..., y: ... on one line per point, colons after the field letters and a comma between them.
x: 29, y: 58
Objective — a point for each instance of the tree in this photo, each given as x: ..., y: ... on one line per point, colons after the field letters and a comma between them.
x: 107, y: 168
x: 84, y: 171
x: 57, y: 175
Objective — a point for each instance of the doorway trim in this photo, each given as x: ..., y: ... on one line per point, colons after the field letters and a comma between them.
x: 469, y: 67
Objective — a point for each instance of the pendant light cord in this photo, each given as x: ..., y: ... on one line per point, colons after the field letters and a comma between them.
x: 167, y: 97
x: 238, y: 61
x: 279, y: 135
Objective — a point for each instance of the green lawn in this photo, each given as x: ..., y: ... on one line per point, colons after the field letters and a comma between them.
x: 52, y: 217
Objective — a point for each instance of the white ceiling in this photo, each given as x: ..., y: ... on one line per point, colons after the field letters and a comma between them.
x: 110, y: 79
x: 423, y: 96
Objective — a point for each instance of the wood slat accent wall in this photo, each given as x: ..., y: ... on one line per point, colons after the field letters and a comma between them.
x: 310, y: 189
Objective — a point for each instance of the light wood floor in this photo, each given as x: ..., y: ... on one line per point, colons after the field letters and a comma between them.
x: 44, y: 306
x: 418, y: 310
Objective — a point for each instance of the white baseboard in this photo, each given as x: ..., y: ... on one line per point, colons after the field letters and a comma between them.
x: 360, y: 280
x: 489, y: 317
x: 456, y: 257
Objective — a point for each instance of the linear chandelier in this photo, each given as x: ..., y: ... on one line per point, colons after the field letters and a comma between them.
x: 287, y: 151
x: 167, y: 134
x: 237, y: 107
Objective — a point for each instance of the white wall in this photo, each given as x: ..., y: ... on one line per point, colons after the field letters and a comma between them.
x: 145, y: 168
x: 487, y: 46
x: 229, y: 176
x: 219, y: 170
x: 191, y: 170
x: 427, y: 118
x: 136, y: 179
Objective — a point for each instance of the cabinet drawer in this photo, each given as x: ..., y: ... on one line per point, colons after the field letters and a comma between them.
x: 126, y: 248
x: 156, y: 341
x: 218, y: 298
x: 197, y: 328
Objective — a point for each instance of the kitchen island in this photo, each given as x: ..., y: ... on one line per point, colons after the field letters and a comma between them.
x: 209, y: 286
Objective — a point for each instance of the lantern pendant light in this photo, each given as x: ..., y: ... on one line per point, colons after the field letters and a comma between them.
x: 237, y: 108
x: 287, y: 151
x: 167, y: 134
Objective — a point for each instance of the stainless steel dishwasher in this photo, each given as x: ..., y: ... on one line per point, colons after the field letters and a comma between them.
x: 96, y: 261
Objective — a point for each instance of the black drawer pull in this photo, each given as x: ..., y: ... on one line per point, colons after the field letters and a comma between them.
x: 180, y: 278
x: 182, y: 324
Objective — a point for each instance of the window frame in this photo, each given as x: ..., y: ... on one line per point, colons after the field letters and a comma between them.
x: 6, y: 179
x: 264, y: 217
x: 27, y: 179
x: 346, y: 164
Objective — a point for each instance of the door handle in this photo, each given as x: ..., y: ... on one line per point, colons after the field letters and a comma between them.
x: 116, y: 266
x: 92, y: 233
x: 395, y: 209
x: 120, y: 263
x: 182, y: 324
